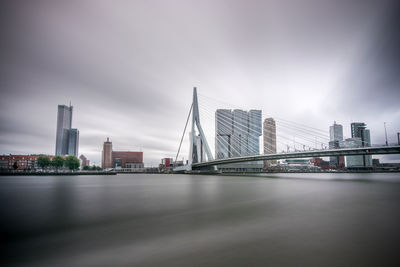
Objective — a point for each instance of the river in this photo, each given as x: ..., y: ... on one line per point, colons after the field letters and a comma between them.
x: 321, y: 219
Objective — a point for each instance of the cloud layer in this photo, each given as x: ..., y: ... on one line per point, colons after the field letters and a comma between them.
x: 129, y: 67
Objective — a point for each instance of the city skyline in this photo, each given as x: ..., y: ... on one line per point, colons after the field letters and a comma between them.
x: 134, y: 84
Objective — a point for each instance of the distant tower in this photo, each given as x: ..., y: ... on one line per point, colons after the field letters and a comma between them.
x: 223, y: 133
x: 67, y: 139
x: 106, y: 159
x: 269, y: 133
x: 255, y: 131
x: 336, y: 137
x: 73, y: 142
x: 237, y: 132
x: 358, y: 130
x: 336, y: 132
x: 64, y: 122
x: 240, y: 137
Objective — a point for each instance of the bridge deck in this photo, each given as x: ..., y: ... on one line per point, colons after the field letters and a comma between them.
x: 305, y: 154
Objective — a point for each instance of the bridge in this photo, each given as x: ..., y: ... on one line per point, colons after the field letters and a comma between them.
x: 201, y: 158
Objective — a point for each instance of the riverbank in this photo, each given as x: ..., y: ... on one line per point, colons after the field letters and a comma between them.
x: 56, y: 173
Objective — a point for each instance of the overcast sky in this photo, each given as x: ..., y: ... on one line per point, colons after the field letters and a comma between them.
x: 129, y: 67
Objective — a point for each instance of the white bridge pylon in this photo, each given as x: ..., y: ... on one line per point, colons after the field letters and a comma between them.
x: 199, y: 150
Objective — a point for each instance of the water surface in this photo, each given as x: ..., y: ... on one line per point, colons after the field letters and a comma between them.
x: 201, y: 220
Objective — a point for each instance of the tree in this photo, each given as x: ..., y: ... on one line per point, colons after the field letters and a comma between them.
x: 15, y: 165
x: 96, y: 168
x: 58, y: 162
x: 43, y: 161
x: 86, y: 168
x: 72, y: 162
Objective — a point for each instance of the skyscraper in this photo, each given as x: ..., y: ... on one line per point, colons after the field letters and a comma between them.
x: 336, y: 132
x: 64, y: 123
x: 73, y: 142
x: 353, y: 161
x: 223, y: 133
x: 240, y: 137
x: 358, y: 130
x: 255, y: 131
x: 106, y: 156
x: 269, y: 133
x: 336, y: 136
x: 237, y: 133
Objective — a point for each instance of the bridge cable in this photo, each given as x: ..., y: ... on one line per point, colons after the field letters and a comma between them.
x: 183, y: 135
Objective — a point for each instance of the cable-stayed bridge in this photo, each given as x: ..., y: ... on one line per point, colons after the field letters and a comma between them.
x: 244, y: 146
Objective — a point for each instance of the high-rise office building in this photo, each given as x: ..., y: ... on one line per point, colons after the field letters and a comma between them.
x: 255, y: 131
x: 223, y: 133
x: 237, y: 133
x: 358, y: 130
x: 106, y: 156
x: 240, y: 133
x: 67, y: 139
x: 353, y: 161
x: 269, y: 133
x: 73, y: 142
x: 336, y: 132
x: 64, y: 122
x: 336, y: 136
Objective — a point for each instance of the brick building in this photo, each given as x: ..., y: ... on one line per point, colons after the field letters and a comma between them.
x: 22, y: 162
x: 319, y: 162
x: 120, y: 159
x: 166, y: 163
x: 127, y: 159
x: 84, y: 161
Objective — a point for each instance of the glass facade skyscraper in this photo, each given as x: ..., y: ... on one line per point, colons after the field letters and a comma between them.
x: 336, y: 132
x: 336, y: 137
x: 73, y: 142
x: 269, y: 140
x: 223, y: 133
x: 67, y: 139
x: 237, y: 133
x: 359, y: 130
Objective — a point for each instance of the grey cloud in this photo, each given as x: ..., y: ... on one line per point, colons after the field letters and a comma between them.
x: 129, y: 67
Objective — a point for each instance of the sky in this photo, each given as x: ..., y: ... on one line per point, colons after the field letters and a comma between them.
x: 129, y: 68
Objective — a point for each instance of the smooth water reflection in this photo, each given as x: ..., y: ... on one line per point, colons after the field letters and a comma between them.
x: 193, y: 220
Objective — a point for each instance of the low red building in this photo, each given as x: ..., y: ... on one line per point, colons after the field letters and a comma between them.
x: 166, y: 163
x: 320, y: 163
x: 127, y: 159
x: 325, y: 165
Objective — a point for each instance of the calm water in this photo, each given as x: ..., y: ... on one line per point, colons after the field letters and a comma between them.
x: 193, y: 220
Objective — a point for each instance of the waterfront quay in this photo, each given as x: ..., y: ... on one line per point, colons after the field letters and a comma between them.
x: 292, y: 219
